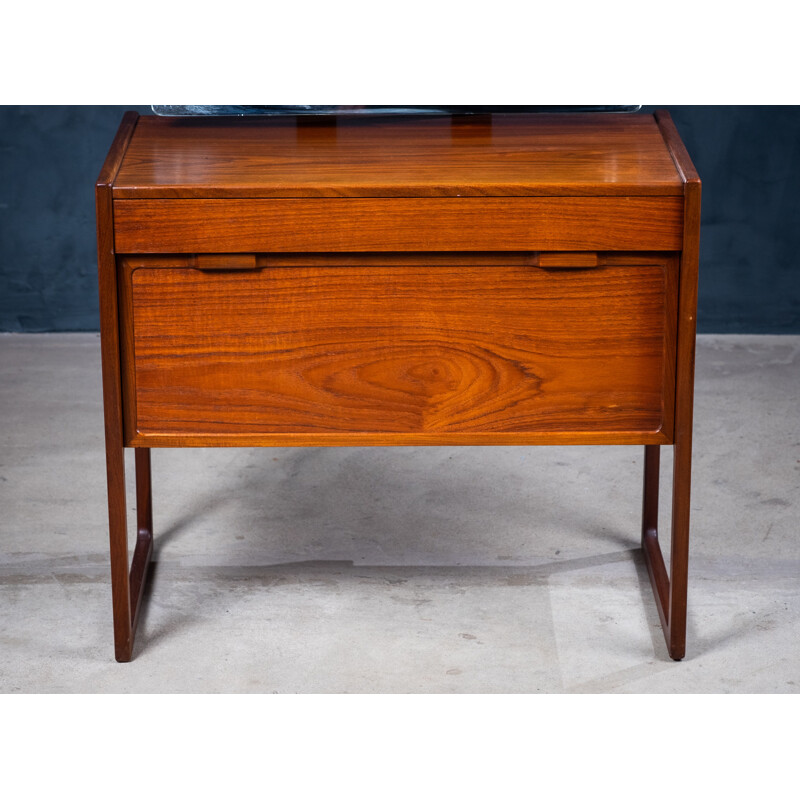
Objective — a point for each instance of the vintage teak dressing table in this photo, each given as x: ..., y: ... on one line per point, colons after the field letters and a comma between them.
x: 498, y: 280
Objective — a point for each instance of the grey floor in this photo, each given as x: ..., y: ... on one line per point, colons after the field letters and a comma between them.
x: 396, y: 570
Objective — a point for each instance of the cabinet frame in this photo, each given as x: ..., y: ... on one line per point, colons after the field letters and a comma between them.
x: 664, y: 217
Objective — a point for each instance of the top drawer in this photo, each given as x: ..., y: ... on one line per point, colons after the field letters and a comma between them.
x: 398, y: 224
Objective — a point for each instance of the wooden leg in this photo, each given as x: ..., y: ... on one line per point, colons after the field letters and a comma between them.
x: 670, y: 590
x: 144, y: 532
x: 679, y: 561
x: 118, y: 533
x: 127, y: 585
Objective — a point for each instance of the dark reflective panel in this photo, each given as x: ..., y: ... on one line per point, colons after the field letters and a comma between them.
x: 184, y: 111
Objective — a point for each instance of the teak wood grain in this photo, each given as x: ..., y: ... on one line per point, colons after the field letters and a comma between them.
x: 674, y: 616
x: 380, y: 224
x: 124, y: 605
x: 401, y: 349
x: 502, y: 280
x: 499, y: 155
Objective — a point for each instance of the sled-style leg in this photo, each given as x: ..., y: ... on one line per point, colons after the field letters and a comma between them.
x: 144, y: 533
x: 127, y: 584
x: 670, y: 590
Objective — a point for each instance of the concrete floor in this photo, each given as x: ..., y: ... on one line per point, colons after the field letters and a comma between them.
x: 392, y: 570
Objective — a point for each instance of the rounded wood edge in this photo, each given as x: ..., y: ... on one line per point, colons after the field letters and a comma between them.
x: 677, y: 149
x: 117, y: 150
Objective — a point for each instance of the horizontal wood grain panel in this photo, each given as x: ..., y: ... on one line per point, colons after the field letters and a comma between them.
x: 468, y: 223
x: 372, y: 354
x: 497, y: 155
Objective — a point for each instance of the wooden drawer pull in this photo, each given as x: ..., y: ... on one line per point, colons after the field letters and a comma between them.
x: 568, y: 260
x: 225, y: 261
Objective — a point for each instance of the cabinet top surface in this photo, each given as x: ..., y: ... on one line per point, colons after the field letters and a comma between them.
x: 502, y: 155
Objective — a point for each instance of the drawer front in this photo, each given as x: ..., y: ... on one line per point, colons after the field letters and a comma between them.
x: 388, y: 225
x: 440, y: 352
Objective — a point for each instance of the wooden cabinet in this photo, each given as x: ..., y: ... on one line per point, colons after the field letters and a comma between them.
x: 507, y: 280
